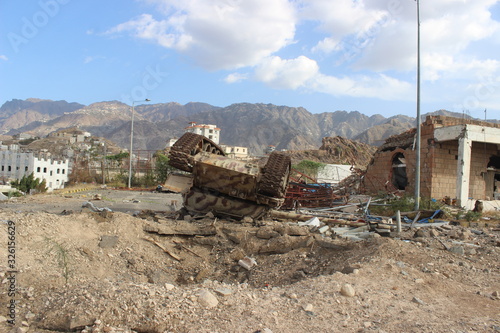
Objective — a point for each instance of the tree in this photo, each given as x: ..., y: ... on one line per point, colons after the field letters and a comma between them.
x: 162, y: 168
x: 28, y: 183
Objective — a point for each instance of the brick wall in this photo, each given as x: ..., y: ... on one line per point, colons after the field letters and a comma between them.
x: 444, y: 170
x: 438, y: 169
x: 379, y: 172
x: 443, y: 121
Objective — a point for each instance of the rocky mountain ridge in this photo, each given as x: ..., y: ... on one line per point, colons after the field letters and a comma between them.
x: 243, y: 124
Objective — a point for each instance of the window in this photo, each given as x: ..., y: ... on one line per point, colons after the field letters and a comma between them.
x: 399, y: 179
x: 26, y: 169
x: 44, y: 170
x: 51, y: 172
x: 38, y: 169
x: 3, y: 168
x: 58, y: 171
x: 9, y: 168
x: 63, y: 171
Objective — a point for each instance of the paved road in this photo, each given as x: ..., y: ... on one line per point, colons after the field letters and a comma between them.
x: 116, y: 200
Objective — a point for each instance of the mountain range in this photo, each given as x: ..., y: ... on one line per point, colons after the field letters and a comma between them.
x: 243, y: 124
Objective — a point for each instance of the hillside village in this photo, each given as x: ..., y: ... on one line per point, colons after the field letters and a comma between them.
x: 61, y: 153
x: 344, y: 252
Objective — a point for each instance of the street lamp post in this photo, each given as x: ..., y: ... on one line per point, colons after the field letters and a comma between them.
x: 103, y: 166
x: 132, y: 144
x: 417, y: 159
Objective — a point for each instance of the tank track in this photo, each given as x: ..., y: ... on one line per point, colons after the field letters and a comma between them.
x: 189, y: 145
x: 275, y: 174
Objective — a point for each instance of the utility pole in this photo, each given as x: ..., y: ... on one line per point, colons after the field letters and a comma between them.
x: 132, y: 144
x: 104, y: 164
x: 417, y: 159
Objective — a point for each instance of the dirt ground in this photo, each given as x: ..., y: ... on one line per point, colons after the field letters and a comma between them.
x: 125, y: 264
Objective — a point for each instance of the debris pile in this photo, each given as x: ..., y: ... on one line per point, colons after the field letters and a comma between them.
x: 158, y: 271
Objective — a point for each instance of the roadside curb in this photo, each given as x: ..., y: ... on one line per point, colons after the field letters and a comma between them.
x: 77, y: 190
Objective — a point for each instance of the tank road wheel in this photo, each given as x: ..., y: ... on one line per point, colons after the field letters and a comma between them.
x: 189, y: 145
x: 186, y: 146
x: 211, y: 147
x: 275, y: 174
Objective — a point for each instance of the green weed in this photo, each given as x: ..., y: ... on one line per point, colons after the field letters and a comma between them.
x: 62, y: 256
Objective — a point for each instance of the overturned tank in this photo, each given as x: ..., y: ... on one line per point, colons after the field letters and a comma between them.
x: 225, y: 186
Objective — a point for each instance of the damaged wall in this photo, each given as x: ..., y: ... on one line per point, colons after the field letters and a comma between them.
x: 440, y: 158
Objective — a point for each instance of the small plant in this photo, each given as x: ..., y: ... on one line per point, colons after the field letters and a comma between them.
x: 309, y: 168
x: 471, y: 216
x: 14, y: 194
x: 404, y: 204
x: 62, y: 255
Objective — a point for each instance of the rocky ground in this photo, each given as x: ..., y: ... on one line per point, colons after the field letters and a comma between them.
x: 125, y: 264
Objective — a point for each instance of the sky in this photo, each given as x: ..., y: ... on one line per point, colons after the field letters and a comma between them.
x: 323, y: 55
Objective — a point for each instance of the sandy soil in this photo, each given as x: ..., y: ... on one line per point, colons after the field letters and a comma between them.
x: 120, y: 271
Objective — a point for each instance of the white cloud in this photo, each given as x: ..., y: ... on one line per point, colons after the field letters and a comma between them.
x: 220, y: 34
x: 146, y: 27
x: 89, y: 59
x: 235, y: 77
x: 286, y: 74
x: 3, y: 57
x: 447, y: 28
x: 340, y: 17
x: 357, y: 48
x: 327, y: 45
x: 379, y: 86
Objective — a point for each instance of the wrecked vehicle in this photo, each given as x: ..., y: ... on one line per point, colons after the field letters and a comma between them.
x: 225, y: 186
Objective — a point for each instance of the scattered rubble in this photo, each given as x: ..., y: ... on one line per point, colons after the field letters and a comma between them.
x: 158, y: 271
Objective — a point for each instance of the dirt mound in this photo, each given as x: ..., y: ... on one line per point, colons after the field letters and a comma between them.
x: 337, y: 150
x: 114, y: 272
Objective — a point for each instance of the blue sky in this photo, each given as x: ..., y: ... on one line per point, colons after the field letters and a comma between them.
x: 324, y: 55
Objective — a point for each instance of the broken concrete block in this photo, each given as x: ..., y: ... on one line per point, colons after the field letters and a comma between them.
x: 207, y: 299
x: 267, y: 233
x: 108, y: 242
x: 314, y: 222
x: 457, y: 249
x: 294, y: 230
x: 247, y: 263
x: 285, y: 244
x: 224, y: 291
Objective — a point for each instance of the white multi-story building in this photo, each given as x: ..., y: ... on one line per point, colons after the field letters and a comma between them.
x: 209, y: 131
x: 14, y: 164
x: 235, y: 152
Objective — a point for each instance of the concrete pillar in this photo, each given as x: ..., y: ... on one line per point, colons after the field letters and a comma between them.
x: 463, y: 169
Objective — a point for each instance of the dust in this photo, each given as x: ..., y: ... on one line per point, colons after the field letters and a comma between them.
x: 138, y: 269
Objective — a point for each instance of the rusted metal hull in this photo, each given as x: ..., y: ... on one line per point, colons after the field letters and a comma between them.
x: 231, y: 177
x: 226, y: 186
x: 178, y: 183
x: 220, y: 205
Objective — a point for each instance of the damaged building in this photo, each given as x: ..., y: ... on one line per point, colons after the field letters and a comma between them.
x: 460, y: 162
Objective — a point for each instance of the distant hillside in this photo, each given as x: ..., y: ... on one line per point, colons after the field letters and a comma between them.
x: 243, y: 124
x: 18, y: 113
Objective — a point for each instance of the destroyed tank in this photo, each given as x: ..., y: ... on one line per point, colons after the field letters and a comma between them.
x: 226, y: 186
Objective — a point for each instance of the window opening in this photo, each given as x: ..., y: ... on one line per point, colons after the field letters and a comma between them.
x: 399, y: 178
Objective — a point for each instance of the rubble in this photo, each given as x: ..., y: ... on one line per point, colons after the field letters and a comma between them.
x: 295, y: 283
